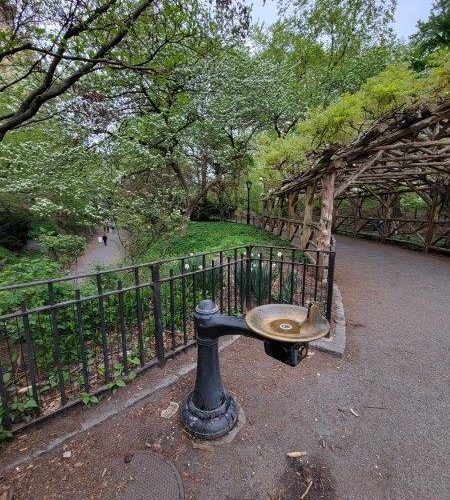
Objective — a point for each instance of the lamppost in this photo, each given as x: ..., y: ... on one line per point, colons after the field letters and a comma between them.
x: 249, y: 185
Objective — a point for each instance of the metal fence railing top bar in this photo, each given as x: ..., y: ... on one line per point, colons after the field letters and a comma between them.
x: 105, y: 272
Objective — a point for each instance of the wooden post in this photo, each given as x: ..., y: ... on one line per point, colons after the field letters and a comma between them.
x: 262, y: 219
x: 433, y: 217
x: 358, y: 213
x: 292, y: 204
x: 308, y: 215
x: 326, y: 213
x: 274, y: 214
x: 279, y: 230
x: 388, y: 210
x: 268, y: 213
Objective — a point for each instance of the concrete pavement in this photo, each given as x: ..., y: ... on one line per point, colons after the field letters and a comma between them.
x: 373, y: 424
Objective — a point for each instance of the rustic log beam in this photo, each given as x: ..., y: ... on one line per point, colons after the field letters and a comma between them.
x: 433, y: 156
x: 388, y: 166
x: 292, y: 205
x: 340, y: 189
x: 308, y: 215
x: 396, y: 174
x: 424, y: 195
x: 433, y: 217
x: 413, y: 144
x: 326, y: 212
x: 425, y: 152
x: 377, y: 196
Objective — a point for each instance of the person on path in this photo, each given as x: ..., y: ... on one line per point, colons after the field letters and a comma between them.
x: 105, y: 239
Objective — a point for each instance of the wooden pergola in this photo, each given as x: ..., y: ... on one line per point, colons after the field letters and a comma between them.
x: 407, y: 151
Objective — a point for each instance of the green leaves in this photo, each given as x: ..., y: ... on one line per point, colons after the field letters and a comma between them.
x: 395, y: 87
x: 88, y: 399
x: 65, y: 247
x: 30, y: 403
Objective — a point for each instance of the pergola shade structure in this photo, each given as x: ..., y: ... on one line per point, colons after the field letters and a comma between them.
x: 407, y: 151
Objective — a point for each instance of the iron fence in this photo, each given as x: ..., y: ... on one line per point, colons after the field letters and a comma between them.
x: 68, y: 339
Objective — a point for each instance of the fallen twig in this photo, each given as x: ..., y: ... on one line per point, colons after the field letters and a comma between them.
x: 353, y: 412
x: 306, y: 491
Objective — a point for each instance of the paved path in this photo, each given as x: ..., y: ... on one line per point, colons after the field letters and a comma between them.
x: 398, y: 313
x: 99, y: 254
x: 394, y: 376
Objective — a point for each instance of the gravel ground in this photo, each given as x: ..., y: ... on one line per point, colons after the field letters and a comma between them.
x: 372, y: 424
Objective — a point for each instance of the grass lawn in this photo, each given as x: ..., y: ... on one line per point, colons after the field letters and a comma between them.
x: 202, y: 237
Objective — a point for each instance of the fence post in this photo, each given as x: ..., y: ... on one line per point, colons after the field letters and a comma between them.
x: 248, y: 281
x: 183, y: 299
x: 172, y: 310
x: 157, y: 314
x: 5, y: 420
x: 331, y: 262
x: 84, y: 361
x: 31, y: 361
x: 123, y: 333
x: 101, y: 310
x: 56, y: 346
x: 139, y: 316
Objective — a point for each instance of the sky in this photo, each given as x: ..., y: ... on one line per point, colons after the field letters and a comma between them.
x: 407, y: 15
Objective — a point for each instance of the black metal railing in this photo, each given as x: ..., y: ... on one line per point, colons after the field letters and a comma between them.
x: 66, y: 340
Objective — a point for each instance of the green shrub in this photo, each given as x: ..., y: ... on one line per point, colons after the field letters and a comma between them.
x: 6, y: 256
x: 65, y: 248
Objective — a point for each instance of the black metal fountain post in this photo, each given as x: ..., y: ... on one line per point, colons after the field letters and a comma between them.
x: 249, y: 185
x: 209, y: 411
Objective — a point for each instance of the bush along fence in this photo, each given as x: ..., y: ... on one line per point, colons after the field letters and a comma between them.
x: 66, y: 340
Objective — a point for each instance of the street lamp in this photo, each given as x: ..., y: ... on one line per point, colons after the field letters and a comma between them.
x: 249, y: 185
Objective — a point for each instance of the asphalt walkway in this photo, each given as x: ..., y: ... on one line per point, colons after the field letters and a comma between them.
x: 97, y: 254
x: 373, y: 424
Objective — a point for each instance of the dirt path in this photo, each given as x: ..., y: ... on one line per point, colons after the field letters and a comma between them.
x: 99, y: 254
x: 394, y: 378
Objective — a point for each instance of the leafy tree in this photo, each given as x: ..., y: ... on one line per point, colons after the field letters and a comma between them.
x: 432, y: 35
x: 65, y: 248
x: 53, y: 177
x: 47, y: 47
x: 394, y: 88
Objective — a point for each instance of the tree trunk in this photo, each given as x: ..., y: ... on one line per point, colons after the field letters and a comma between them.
x: 308, y: 215
x: 433, y: 217
x: 326, y: 217
x: 292, y: 204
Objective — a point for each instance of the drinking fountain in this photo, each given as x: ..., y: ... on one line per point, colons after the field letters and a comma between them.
x: 209, y: 411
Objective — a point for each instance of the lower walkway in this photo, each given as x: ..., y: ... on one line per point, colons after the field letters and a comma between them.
x: 99, y: 254
x: 373, y: 425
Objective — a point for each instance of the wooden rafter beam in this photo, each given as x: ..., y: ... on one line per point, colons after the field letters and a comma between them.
x: 346, y: 183
x: 419, y: 136
x: 414, y: 144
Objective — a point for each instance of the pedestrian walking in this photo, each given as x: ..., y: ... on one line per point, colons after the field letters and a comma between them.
x: 105, y: 239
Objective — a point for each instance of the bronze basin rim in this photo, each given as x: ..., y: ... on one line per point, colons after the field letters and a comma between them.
x: 261, y: 318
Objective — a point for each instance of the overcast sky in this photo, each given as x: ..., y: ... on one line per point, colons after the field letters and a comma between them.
x: 407, y: 15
